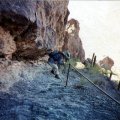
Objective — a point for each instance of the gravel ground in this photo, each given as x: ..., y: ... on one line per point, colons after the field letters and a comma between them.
x: 40, y: 96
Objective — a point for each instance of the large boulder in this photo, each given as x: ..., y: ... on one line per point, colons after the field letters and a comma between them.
x: 106, y: 63
x: 33, y: 25
x: 72, y: 41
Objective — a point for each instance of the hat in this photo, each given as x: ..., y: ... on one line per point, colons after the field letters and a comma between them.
x: 66, y: 54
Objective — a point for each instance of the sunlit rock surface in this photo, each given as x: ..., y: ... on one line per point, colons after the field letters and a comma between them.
x: 106, y: 63
x: 72, y: 41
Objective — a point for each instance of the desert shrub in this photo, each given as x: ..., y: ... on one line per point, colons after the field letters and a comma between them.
x: 99, y: 83
x: 94, y: 70
x: 83, y: 81
x: 73, y: 61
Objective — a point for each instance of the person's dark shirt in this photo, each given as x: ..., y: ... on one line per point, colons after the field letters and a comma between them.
x: 56, y: 57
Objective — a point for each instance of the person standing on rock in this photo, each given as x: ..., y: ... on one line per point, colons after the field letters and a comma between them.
x: 57, y: 58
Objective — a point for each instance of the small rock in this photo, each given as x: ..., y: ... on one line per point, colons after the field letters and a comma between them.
x: 79, y: 65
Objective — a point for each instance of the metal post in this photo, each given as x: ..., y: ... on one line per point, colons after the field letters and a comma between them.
x: 93, y: 58
x: 119, y: 85
x: 110, y: 75
x: 67, y: 75
x: 94, y: 61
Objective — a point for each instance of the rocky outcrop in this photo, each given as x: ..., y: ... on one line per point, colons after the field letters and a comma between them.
x: 32, y: 25
x: 7, y: 44
x: 106, y: 63
x: 72, y: 41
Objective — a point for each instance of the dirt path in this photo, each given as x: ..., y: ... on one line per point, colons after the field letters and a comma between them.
x: 42, y: 97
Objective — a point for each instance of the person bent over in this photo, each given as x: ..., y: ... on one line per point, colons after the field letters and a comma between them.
x: 57, y: 58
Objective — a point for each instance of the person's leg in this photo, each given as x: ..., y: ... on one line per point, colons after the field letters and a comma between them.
x: 55, y: 69
x: 51, y: 64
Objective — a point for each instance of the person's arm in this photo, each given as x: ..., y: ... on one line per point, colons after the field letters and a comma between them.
x: 61, y: 61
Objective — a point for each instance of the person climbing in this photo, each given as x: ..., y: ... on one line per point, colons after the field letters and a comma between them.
x: 57, y: 58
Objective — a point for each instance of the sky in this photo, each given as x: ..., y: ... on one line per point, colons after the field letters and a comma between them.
x: 99, y: 27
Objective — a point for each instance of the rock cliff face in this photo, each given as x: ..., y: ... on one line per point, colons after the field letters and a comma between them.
x: 32, y: 25
x: 72, y: 40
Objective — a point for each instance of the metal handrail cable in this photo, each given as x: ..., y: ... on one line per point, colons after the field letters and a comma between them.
x: 96, y: 86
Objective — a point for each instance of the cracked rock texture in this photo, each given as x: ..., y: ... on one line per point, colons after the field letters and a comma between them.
x: 34, y: 25
x: 37, y: 25
x: 7, y: 44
